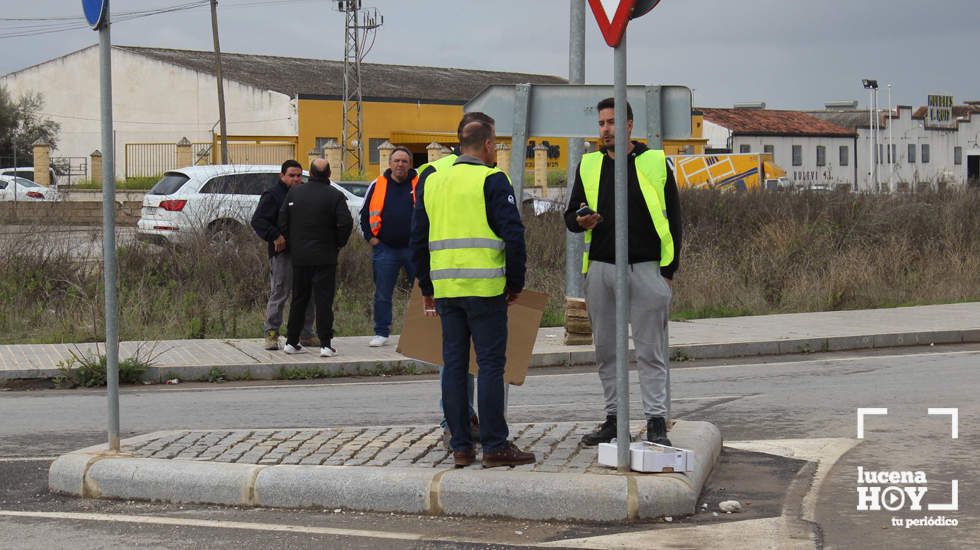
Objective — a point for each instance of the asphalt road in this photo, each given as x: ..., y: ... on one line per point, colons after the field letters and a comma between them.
x: 786, y: 401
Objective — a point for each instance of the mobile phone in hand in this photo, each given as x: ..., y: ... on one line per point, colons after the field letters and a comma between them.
x: 584, y: 211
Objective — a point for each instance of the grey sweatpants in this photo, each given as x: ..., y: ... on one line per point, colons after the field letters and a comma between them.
x: 648, y: 314
x: 280, y: 287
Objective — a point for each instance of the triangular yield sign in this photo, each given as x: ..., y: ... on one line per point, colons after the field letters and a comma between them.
x: 612, y: 16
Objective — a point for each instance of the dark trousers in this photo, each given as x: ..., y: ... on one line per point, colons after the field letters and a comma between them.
x: 321, y: 282
x: 485, y: 320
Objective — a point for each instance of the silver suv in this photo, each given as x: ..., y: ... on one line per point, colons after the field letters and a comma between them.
x: 216, y: 201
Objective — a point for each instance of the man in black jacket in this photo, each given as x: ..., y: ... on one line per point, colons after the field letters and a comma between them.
x: 265, y: 222
x: 316, y: 221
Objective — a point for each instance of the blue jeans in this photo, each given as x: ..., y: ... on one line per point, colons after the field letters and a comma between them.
x: 469, y: 398
x: 388, y: 262
x: 485, y: 320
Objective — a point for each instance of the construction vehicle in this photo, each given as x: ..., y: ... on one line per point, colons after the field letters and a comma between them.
x: 725, y: 171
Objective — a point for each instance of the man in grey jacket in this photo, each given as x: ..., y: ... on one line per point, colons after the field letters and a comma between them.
x: 317, y: 223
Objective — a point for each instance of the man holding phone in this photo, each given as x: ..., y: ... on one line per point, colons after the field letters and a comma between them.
x: 654, y: 229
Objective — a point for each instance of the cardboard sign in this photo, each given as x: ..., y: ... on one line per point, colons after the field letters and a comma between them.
x: 421, y: 337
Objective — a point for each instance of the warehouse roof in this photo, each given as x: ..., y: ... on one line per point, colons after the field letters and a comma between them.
x: 771, y: 122
x: 323, y: 78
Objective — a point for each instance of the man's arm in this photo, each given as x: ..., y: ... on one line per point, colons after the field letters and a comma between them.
x: 264, y: 220
x: 505, y: 220
x: 345, y: 223
x: 419, y: 242
x: 673, y: 208
x: 575, y: 201
x: 365, y: 213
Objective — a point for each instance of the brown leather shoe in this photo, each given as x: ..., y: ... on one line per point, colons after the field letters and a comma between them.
x: 463, y: 459
x: 510, y: 455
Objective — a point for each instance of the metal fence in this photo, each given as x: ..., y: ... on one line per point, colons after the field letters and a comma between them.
x: 153, y: 159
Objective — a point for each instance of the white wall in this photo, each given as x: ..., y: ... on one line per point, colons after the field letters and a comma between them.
x: 808, y: 172
x: 907, y: 131
x: 152, y: 102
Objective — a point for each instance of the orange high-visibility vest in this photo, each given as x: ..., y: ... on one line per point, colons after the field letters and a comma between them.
x: 378, y: 202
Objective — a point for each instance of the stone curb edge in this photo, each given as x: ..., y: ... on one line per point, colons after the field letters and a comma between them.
x: 367, y: 367
x: 92, y: 473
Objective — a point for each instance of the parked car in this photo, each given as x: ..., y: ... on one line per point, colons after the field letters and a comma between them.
x: 358, y: 188
x: 781, y: 183
x: 27, y: 172
x: 25, y: 190
x: 215, y: 200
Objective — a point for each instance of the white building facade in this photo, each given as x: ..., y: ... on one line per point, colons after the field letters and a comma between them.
x: 912, y: 153
x: 812, y: 152
x: 153, y: 102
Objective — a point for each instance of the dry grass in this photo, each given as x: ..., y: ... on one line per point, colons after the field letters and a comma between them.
x: 744, y: 254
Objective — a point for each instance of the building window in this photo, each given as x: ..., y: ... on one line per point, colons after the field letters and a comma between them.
x: 844, y: 155
x: 321, y: 141
x: 925, y: 153
x: 821, y: 155
x: 911, y: 158
x: 744, y: 148
x: 797, y: 155
x: 373, y: 156
x: 881, y: 153
x: 893, y: 155
x: 769, y: 149
x: 957, y: 155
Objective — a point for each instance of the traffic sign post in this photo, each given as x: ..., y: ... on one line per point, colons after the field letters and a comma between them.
x: 97, y: 14
x: 612, y: 17
x: 664, y: 112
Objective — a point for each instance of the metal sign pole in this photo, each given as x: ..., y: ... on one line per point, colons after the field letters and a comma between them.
x: 622, y: 263
x: 518, y: 140
x: 576, y: 75
x: 109, y: 233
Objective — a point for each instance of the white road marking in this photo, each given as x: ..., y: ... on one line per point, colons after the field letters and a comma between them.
x: 26, y: 458
x: 216, y: 524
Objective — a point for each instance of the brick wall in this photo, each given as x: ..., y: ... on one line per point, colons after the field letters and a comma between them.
x: 66, y: 213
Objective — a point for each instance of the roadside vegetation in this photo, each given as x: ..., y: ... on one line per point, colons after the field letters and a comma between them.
x: 743, y: 254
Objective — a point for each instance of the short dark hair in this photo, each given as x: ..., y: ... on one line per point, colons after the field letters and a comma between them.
x: 475, y: 134
x: 316, y: 173
x: 475, y: 116
x: 610, y: 103
x: 403, y: 149
x: 291, y: 163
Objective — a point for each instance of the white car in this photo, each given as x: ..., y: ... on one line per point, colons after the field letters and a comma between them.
x: 22, y: 189
x: 216, y: 200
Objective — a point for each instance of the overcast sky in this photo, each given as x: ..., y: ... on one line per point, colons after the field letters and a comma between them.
x: 793, y: 54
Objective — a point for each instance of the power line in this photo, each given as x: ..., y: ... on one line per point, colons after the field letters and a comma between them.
x: 35, y: 26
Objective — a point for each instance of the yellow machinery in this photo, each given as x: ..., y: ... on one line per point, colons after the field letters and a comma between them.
x: 727, y: 171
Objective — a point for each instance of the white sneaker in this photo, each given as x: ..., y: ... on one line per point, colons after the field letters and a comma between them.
x: 327, y: 352
x: 378, y: 341
x: 290, y: 350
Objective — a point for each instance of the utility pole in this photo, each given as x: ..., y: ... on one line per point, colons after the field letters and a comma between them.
x: 576, y: 75
x: 221, y: 87
x: 356, y: 29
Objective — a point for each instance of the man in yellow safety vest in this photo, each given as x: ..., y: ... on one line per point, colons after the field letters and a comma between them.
x: 654, y: 229
x: 469, y: 252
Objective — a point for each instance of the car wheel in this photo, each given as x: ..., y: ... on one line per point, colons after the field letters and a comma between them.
x: 225, y: 233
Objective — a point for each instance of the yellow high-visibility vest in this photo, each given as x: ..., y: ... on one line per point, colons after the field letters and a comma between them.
x: 466, y: 256
x: 439, y: 164
x: 651, y: 172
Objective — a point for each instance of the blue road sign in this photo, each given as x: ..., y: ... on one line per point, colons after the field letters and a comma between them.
x: 95, y: 11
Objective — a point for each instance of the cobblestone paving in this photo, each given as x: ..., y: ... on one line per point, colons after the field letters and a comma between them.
x: 555, y: 444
